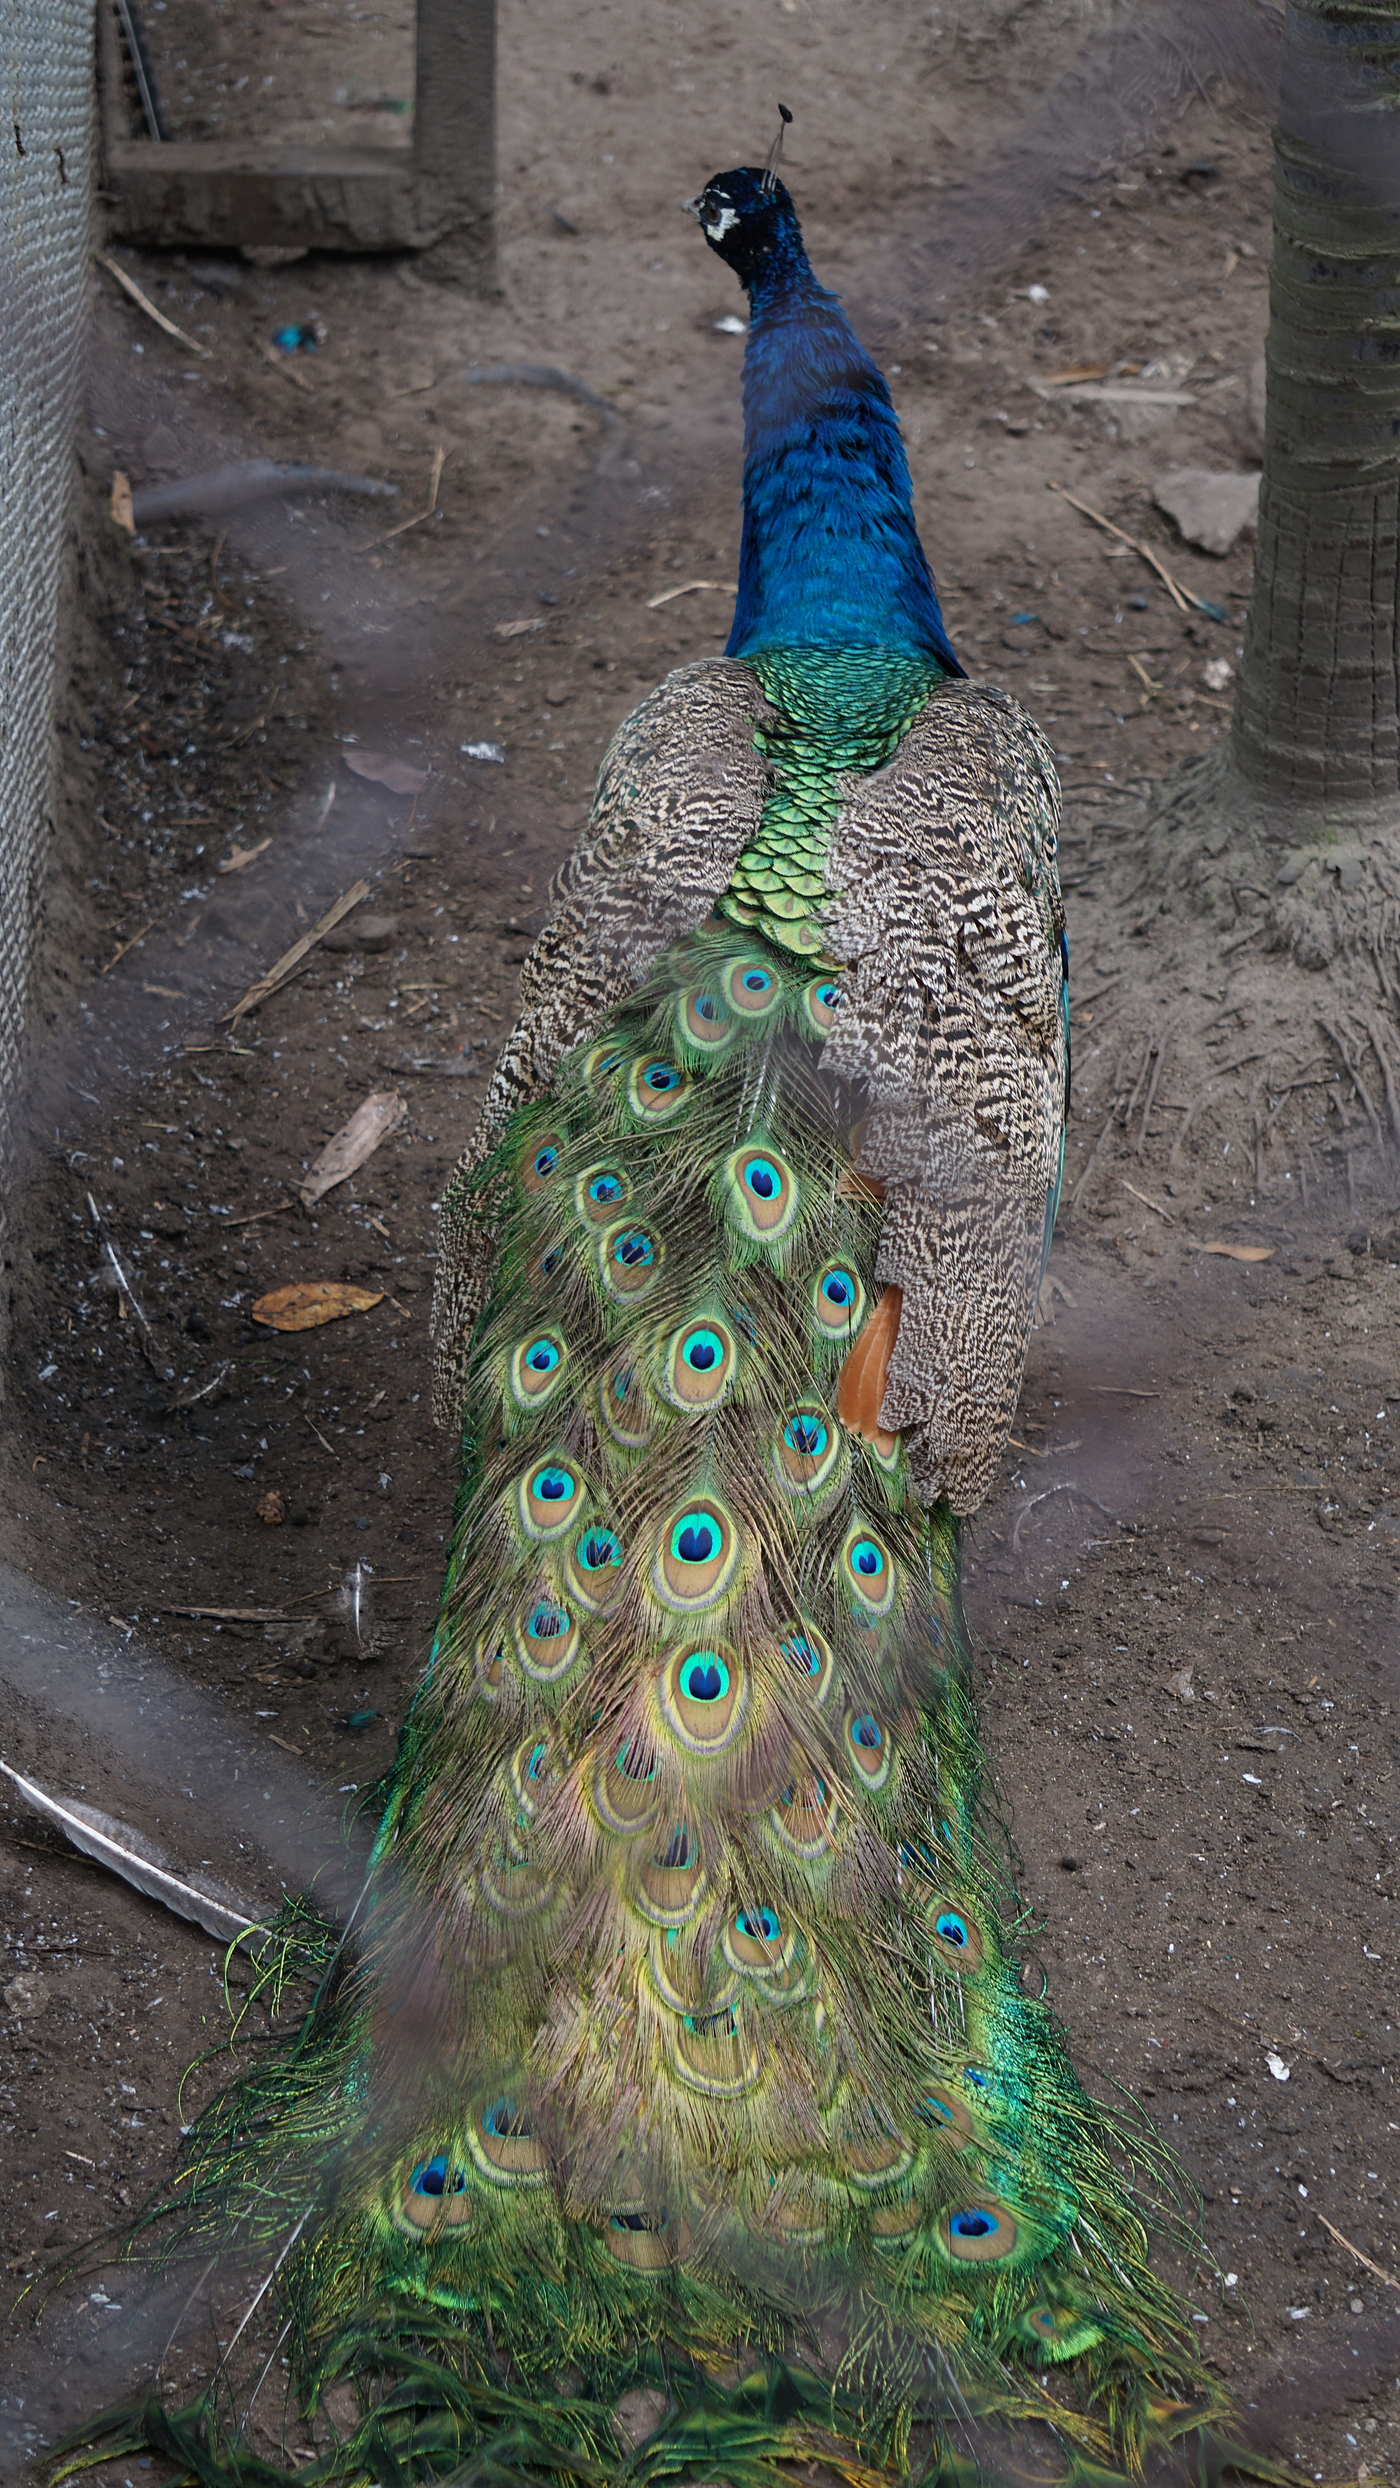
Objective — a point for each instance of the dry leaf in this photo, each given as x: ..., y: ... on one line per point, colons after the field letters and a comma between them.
x: 386, y: 771
x: 1241, y: 1252
x: 311, y: 1302
x: 121, y: 503
x: 516, y: 630
x: 271, y: 1507
x: 372, y: 1121
x: 239, y: 858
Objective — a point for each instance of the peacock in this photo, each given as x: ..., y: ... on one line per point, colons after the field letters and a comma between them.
x: 681, y: 2109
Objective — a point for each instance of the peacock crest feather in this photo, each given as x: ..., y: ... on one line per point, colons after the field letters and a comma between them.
x: 687, y: 2044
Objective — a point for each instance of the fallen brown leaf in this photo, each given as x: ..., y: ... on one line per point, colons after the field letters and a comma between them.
x: 271, y: 1508
x: 120, y: 504
x: 1240, y: 1252
x: 311, y: 1302
x: 386, y: 771
x: 239, y: 858
x: 372, y: 1121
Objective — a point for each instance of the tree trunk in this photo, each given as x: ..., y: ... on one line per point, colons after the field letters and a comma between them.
x: 1316, y: 732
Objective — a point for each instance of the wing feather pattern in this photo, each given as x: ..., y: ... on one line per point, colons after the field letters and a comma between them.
x: 948, y: 919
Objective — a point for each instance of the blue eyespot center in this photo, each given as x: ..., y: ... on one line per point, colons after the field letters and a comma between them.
x: 661, y: 1077
x: 706, y: 1006
x: 759, y: 1924
x: 763, y: 1179
x: 677, y: 1850
x: 605, y: 1188
x: 436, y: 2178
x: 866, y: 1732
x: 546, y: 1621
x: 704, y: 1677
x: 535, y: 1766
x: 703, y: 1350
x: 838, y: 1288
x: 974, y: 2223
x: 553, y: 1486
x: 635, y: 1249
x: 867, y: 1558
x: 807, y: 1436
x: 694, y: 1541
x: 951, y: 1929
x: 600, y: 1548
x: 546, y: 1161
x: 542, y: 1356
x: 756, y: 981
x: 828, y: 996
x: 504, y: 2117
x: 763, y: 1925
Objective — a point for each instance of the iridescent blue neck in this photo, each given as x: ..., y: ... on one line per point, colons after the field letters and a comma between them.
x: 830, y: 555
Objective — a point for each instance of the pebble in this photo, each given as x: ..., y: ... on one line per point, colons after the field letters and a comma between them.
x: 26, y: 1994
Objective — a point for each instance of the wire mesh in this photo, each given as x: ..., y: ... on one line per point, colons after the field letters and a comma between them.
x: 46, y: 148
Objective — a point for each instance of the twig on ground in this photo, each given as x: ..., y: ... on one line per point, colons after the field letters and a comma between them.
x: 1378, y: 2269
x: 1354, y: 1071
x: 284, y: 364
x: 1187, y: 1120
x: 1392, y: 1102
x: 126, y: 946
x: 1181, y: 597
x: 440, y: 456
x: 190, y: 1398
x: 144, y: 303
x: 149, y: 1343
x: 325, y: 1446
x: 1067, y: 1488
x: 1123, y: 1390
x: 1160, y: 1046
x: 1088, y: 1165
x: 271, y: 1211
x: 720, y: 587
x: 1149, y: 1203
x: 291, y: 959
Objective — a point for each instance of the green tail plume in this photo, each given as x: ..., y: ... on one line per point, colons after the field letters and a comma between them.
x: 687, y: 2045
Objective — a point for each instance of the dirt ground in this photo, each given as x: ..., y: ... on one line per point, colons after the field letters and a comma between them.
x: 1185, y: 1586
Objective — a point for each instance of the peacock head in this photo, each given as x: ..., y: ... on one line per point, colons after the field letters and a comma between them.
x: 749, y: 219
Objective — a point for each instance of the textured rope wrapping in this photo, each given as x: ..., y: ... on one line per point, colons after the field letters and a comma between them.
x: 46, y: 74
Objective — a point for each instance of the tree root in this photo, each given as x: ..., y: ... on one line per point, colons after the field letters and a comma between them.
x: 1317, y: 884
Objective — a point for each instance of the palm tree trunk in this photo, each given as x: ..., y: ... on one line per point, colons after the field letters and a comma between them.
x: 1316, y: 727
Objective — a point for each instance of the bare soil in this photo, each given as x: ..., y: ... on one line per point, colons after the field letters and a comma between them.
x: 1185, y: 1586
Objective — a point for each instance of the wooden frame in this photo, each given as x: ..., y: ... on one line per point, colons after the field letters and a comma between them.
x: 174, y: 194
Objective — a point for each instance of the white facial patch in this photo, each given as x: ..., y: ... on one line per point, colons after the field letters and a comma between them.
x: 727, y: 217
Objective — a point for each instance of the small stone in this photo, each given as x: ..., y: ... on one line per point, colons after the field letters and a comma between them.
x: 1211, y: 509
x: 362, y: 933
x: 26, y: 1995
x: 557, y: 693
x: 272, y: 1508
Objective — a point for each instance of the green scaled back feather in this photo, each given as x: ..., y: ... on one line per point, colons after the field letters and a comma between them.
x: 687, y: 2045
